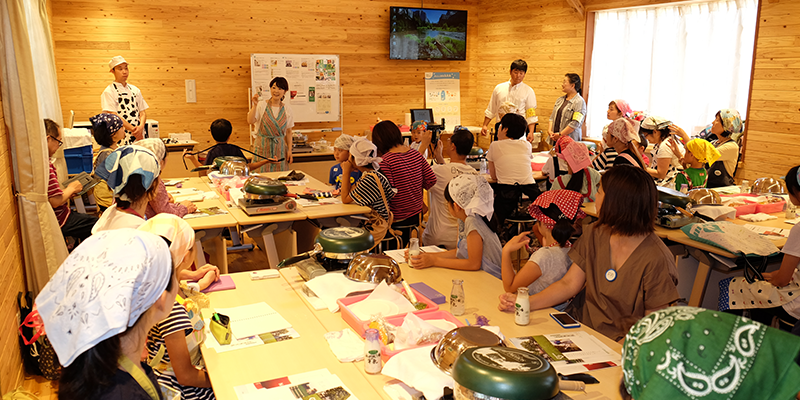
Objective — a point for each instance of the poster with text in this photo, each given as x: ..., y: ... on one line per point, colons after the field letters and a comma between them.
x: 443, y: 95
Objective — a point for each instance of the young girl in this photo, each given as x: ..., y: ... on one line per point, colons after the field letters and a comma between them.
x: 469, y: 198
x: 616, y: 109
x: 162, y: 202
x: 698, y: 153
x: 580, y: 177
x: 623, y: 135
x: 108, y: 131
x: 664, y: 162
x: 181, y: 332
x: 373, y: 190
x: 130, y: 172
x: 555, y: 211
x: 728, y: 128
x: 341, y: 153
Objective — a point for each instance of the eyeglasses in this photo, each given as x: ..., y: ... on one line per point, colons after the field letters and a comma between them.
x: 60, y: 143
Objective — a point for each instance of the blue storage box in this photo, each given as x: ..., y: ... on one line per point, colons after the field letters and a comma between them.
x: 79, y: 159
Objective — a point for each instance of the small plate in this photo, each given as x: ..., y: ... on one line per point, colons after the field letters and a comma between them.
x: 364, y: 310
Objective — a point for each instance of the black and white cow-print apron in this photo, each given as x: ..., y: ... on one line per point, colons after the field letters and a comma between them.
x: 129, y: 111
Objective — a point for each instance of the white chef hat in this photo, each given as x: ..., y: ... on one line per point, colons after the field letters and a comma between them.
x: 116, y: 60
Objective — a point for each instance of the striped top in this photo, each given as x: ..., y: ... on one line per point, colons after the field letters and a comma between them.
x: 177, y: 321
x: 409, y: 173
x: 367, y: 193
x: 605, y: 159
x: 53, y: 190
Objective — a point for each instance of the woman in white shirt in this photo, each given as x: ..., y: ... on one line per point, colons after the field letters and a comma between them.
x: 274, y: 124
x: 664, y: 163
x: 509, y: 159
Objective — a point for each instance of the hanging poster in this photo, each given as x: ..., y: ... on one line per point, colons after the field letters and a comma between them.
x: 313, y: 94
x: 443, y: 95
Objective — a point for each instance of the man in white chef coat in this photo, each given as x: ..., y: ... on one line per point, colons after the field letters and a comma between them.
x: 125, y: 100
x: 513, y: 96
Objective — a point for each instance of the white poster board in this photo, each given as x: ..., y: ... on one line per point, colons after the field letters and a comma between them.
x: 443, y: 95
x: 314, y: 80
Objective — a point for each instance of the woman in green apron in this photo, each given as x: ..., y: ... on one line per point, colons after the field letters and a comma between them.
x: 274, y: 122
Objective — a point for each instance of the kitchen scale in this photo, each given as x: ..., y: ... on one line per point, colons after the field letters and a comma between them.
x: 264, y: 195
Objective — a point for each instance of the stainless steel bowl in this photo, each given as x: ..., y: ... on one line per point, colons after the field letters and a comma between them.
x: 768, y: 185
x: 705, y: 196
x: 234, y: 168
x: 457, y: 341
x: 373, y: 268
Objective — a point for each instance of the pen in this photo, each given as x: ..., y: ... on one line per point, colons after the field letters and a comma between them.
x: 216, y: 318
x: 467, y: 321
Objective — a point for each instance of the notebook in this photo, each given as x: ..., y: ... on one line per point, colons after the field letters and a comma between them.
x: 224, y: 282
x: 254, y: 319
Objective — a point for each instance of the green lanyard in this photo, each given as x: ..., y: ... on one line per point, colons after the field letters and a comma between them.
x: 140, y: 377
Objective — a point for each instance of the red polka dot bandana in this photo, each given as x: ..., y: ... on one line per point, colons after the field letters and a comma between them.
x: 568, y: 202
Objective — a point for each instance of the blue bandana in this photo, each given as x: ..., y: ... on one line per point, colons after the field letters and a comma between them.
x: 110, y: 122
x: 126, y: 161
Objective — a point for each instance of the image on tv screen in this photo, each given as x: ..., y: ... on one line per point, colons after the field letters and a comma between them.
x: 427, y: 34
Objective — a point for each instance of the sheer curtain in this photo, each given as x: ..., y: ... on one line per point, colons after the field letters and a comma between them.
x: 681, y: 62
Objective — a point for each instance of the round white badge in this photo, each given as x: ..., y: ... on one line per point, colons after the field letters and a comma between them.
x: 611, y: 274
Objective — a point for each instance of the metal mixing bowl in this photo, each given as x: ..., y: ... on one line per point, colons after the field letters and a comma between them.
x: 705, y: 196
x: 234, y: 168
x: 768, y: 185
x: 457, y: 341
x: 373, y: 268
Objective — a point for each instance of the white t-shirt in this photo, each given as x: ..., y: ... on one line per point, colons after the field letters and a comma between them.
x: 108, y: 100
x: 661, y: 151
x: 441, y: 224
x: 549, y: 168
x: 521, y: 95
x: 554, y: 263
x: 792, y: 248
x: 729, y: 155
x: 415, y: 146
x: 512, y: 161
x: 116, y: 219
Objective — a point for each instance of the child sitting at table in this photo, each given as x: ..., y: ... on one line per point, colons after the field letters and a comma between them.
x: 509, y: 159
x: 181, y: 333
x: 341, y: 152
x: 373, y: 190
x: 698, y: 153
x: 470, y: 199
x: 108, y: 131
x: 221, y: 130
x: 556, y: 212
x: 418, y: 129
x: 163, y: 202
x: 580, y: 177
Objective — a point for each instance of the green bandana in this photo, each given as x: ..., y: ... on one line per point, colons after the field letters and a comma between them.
x: 687, y: 352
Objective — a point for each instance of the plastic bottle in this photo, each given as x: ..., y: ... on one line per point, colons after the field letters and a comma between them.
x: 457, y: 298
x: 413, y: 247
x: 484, y: 167
x: 745, y: 186
x: 684, y: 188
x: 522, y: 308
x: 372, y: 352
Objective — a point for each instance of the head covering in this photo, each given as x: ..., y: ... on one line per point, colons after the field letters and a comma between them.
x: 419, y: 124
x: 623, y: 107
x: 126, y: 161
x: 116, y: 60
x: 110, y: 122
x: 703, y: 151
x: 365, y: 152
x: 473, y: 194
x: 574, y: 153
x: 102, y: 289
x: 553, y: 205
x: 654, y: 123
x: 687, y: 352
x: 176, y: 230
x: 343, y: 142
x: 624, y: 129
x: 731, y: 121
x: 156, y: 146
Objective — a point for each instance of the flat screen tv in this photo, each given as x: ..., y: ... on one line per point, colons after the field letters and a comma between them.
x: 427, y: 34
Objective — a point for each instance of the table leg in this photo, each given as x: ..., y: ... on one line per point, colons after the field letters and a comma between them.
x: 699, y: 287
x: 200, y: 258
x: 222, y: 254
x: 264, y: 235
x: 79, y: 204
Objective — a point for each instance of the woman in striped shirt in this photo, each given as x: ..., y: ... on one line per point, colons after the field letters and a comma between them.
x: 407, y: 171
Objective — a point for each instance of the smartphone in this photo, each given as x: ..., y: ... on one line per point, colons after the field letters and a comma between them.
x: 565, y: 320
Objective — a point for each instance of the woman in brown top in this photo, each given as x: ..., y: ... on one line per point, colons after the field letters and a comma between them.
x: 621, y: 270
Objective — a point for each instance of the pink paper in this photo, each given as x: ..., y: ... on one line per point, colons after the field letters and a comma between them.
x: 224, y: 282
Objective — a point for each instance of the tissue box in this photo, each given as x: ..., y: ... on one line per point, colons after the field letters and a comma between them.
x: 429, y: 292
x: 358, y: 325
x: 397, y: 320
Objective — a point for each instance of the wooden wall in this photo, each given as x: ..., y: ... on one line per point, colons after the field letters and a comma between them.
x: 773, y: 142
x: 211, y: 41
x: 12, y: 272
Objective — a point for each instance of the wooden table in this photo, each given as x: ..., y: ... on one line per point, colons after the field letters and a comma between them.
x: 173, y: 167
x: 700, y: 251
x: 209, y: 229
x: 481, y: 291
x: 274, y: 360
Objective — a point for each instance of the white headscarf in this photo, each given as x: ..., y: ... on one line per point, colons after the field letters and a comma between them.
x: 343, y: 142
x: 473, y: 194
x: 365, y: 152
x: 176, y: 230
x: 156, y: 146
x: 102, y: 289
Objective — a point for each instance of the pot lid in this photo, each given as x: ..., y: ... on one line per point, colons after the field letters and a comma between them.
x: 219, y: 160
x: 262, y: 185
x: 672, y: 196
x: 345, y: 239
x: 506, y: 373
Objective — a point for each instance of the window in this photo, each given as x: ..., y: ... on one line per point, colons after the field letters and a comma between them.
x: 680, y: 62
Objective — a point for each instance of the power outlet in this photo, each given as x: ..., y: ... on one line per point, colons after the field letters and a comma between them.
x: 191, y: 91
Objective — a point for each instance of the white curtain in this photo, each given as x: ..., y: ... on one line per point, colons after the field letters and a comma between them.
x: 682, y: 62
